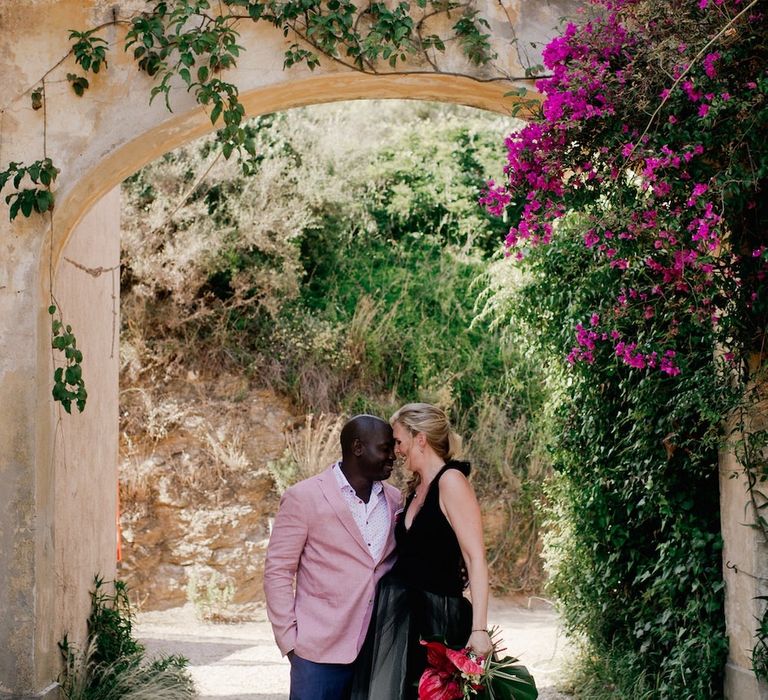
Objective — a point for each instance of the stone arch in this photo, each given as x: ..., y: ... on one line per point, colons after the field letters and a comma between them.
x: 177, y: 130
x: 58, y: 472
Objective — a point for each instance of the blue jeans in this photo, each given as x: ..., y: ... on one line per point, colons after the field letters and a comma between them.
x: 315, y: 681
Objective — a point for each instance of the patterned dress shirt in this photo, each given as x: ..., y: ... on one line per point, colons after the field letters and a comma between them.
x: 372, y: 518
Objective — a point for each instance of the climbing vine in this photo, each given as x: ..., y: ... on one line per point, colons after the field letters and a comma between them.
x: 638, y: 204
x: 68, y: 383
x: 189, y: 40
x: 28, y: 199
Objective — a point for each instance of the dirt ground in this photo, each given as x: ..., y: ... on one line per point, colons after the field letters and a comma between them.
x: 241, y: 662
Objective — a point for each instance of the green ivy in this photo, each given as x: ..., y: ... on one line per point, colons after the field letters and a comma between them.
x: 90, y: 52
x: 760, y: 652
x: 29, y: 199
x: 68, y: 383
x: 635, y: 530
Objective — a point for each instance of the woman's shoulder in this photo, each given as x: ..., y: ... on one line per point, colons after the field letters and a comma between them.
x: 455, y: 465
x: 454, y: 472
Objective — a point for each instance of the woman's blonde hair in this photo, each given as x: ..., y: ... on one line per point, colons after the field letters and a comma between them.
x: 432, y: 421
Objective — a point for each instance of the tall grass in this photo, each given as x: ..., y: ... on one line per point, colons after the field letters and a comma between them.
x: 113, y: 664
x: 310, y: 449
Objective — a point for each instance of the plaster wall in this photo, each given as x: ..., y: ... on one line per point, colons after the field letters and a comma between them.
x: 87, y: 289
x: 745, y: 568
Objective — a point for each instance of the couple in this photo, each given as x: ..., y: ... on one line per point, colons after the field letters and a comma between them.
x: 353, y: 581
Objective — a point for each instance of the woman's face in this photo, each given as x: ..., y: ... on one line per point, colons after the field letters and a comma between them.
x: 403, y: 443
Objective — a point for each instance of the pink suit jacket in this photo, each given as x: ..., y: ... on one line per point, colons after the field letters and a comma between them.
x: 316, y: 543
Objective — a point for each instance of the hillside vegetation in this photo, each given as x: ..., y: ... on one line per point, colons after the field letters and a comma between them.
x: 346, y: 273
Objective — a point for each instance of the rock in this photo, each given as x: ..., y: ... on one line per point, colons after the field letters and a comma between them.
x: 196, y: 505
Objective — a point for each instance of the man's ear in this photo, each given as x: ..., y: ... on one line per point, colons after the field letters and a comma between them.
x: 357, y: 447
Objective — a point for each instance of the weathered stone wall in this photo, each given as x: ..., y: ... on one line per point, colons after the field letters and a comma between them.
x: 196, y: 502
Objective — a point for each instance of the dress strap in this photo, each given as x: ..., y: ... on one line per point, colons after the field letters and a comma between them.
x: 463, y: 467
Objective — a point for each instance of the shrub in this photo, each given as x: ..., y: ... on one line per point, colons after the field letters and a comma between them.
x: 113, y: 665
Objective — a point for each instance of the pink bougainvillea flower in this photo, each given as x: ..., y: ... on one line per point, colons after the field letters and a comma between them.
x: 709, y: 64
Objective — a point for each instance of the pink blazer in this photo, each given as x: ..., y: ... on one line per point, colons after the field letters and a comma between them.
x: 317, y: 544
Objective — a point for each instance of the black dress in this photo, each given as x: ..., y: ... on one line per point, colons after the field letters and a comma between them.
x: 420, y: 598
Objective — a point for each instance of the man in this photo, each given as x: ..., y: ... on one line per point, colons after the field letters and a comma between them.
x: 333, y: 535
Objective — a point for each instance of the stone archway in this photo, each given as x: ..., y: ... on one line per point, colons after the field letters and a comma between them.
x: 58, y: 472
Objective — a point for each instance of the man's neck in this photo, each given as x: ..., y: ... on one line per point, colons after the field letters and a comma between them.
x: 361, y: 486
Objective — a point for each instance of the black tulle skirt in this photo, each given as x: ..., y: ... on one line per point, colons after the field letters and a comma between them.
x: 392, y: 660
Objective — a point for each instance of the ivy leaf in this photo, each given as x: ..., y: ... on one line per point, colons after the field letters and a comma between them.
x: 27, y: 202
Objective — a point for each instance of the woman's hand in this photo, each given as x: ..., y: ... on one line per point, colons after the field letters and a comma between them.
x: 480, y: 643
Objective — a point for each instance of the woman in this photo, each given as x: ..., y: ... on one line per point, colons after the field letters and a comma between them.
x: 439, y: 551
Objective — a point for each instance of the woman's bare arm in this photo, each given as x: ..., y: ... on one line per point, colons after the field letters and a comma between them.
x: 458, y: 502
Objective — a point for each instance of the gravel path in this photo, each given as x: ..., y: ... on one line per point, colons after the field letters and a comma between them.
x: 241, y: 662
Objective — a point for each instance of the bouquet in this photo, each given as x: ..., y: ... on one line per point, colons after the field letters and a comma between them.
x: 460, y: 675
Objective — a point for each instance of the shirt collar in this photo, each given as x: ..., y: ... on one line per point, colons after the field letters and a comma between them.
x: 341, y: 480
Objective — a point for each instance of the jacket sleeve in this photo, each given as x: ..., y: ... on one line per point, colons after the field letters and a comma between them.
x: 289, y: 535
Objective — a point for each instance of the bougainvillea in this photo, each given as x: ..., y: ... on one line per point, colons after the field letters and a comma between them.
x: 659, y: 141
x: 637, y: 203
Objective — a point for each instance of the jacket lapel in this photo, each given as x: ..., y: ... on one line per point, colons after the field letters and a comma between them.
x: 394, y: 502
x: 332, y: 493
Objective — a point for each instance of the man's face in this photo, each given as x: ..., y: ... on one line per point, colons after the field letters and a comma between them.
x: 377, y: 457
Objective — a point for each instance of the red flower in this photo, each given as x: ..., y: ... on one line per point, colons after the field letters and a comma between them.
x: 437, y: 657
x: 437, y: 685
x: 448, y: 673
x: 464, y: 662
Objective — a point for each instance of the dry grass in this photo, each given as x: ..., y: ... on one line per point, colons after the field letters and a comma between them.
x: 310, y: 450
x: 507, y: 475
x: 127, y: 678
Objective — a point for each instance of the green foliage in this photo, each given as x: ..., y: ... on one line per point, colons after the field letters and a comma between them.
x: 167, y: 43
x: 68, y: 382
x: 90, y: 51
x: 29, y: 199
x: 649, y: 144
x: 634, y: 540
x: 113, y: 664
x: 79, y: 83
x: 760, y: 652
x: 473, y: 41
x: 343, y: 272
